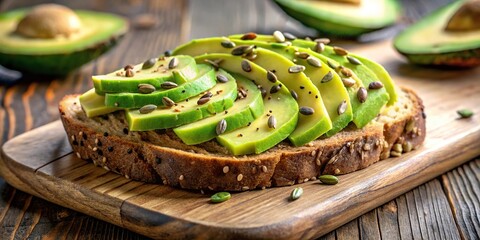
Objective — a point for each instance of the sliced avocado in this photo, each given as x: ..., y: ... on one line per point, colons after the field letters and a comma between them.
x: 204, y: 81
x: 243, y: 112
x: 309, y: 127
x: 429, y: 42
x: 160, y: 72
x: 94, y: 104
x: 258, y: 136
x: 341, y: 18
x: 222, y: 97
x: 98, y: 33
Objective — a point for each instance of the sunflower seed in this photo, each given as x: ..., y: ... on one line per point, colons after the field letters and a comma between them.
x: 362, y: 94
x: 346, y: 72
x: 306, y: 110
x: 167, y: 53
x: 246, y: 66
x: 272, y: 122
x: 249, y: 36
x: 244, y: 49
x: 222, y: 78
x: 342, y: 107
x: 149, y: 63
x: 168, y: 102
x: 227, y: 44
x: 279, y: 37
x: 221, y: 127
x: 241, y: 93
x: 275, y: 88
x: 348, y: 82
x: 353, y: 60
x: 168, y: 85
x: 207, y: 95
x: 319, y: 47
x: 251, y: 56
x: 271, y: 77
x: 263, y: 92
x: 289, y: 36
x: 340, y: 51
x: 296, y: 193
x: 294, y: 94
x: 327, y: 78
x: 147, y: 109
x: 202, y: 101
x: 328, y: 179
x: 296, y: 69
x: 302, y: 55
x: 332, y: 65
x: 375, y: 85
x: 129, y: 73
x: 313, y: 61
x: 322, y: 40
x: 215, y: 63
x: 465, y: 113
x: 173, y: 63
x: 129, y: 66
x: 145, y: 88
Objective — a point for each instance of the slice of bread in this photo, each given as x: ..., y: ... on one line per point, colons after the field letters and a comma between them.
x: 161, y: 157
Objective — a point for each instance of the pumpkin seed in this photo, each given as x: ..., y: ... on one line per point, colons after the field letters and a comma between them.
x: 306, y: 110
x: 328, y: 179
x: 168, y: 102
x: 279, y: 37
x: 319, y: 47
x: 294, y: 94
x: 289, y: 36
x: 173, y: 63
x: 275, y: 88
x: 353, y: 60
x: 407, y: 146
x: 272, y: 122
x: 227, y: 44
x: 221, y: 127
x: 222, y: 78
x: 149, y: 63
x: 220, y: 197
x: 249, y: 36
x: 342, y: 107
x: 145, y: 88
x: 302, y: 55
x: 375, y: 85
x: 246, y: 66
x: 397, y: 147
x: 168, y: 85
x: 322, y: 40
x: 147, y: 109
x: 129, y: 73
x: 327, y: 78
x: 348, y: 82
x: 313, y: 61
x: 340, y: 51
x: 296, y: 69
x: 202, y: 101
x: 465, y: 113
x: 362, y: 94
x: 271, y: 77
x: 296, y: 193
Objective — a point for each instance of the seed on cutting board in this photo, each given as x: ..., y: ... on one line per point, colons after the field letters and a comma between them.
x: 289, y: 36
x: 328, y: 179
x: 375, y: 85
x: 294, y: 94
x: 145, y: 88
x: 272, y: 122
x: 313, y: 61
x: 362, y: 94
x: 319, y: 47
x: 322, y: 40
x: 168, y: 85
x: 271, y: 77
x: 465, y: 113
x: 149, y: 63
x: 353, y: 60
x: 279, y: 37
x: 227, y: 44
x: 327, y: 78
x: 348, y: 82
x: 342, y: 107
x: 296, y: 193
x: 168, y: 102
x: 340, y: 51
x: 275, y: 88
x: 306, y: 110
x: 147, y: 109
x: 221, y: 127
x: 302, y: 55
x: 249, y: 36
x: 246, y: 66
x: 222, y: 78
x: 296, y: 69
x: 173, y: 63
x: 220, y: 197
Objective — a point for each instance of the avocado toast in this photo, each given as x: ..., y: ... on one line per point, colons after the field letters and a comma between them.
x: 264, y: 122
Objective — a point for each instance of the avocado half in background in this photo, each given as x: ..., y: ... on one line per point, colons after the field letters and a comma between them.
x: 450, y: 36
x: 343, y: 18
x: 51, y: 39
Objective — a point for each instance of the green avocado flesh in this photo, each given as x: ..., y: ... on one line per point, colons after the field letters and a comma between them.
x: 342, y: 19
x: 309, y: 127
x: 188, y: 111
x: 258, y: 136
x: 426, y: 42
x: 159, y: 73
x: 203, y: 81
x: 58, y: 56
x: 244, y: 111
x: 94, y: 104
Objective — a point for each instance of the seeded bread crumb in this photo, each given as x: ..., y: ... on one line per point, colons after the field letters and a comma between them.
x: 161, y: 157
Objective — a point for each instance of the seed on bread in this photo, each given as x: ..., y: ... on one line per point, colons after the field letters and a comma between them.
x: 239, y: 177
x: 226, y: 169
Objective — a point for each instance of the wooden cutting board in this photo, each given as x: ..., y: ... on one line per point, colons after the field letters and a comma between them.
x: 41, y: 162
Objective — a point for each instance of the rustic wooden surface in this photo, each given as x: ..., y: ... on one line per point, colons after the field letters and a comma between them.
x: 446, y: 207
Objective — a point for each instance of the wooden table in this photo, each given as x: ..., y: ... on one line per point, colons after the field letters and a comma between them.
x: 444, y: 208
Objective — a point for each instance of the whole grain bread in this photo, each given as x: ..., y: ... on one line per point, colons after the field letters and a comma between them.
x: 161, y: 157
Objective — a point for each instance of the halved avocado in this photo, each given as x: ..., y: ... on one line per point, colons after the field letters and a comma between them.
x: 431, y: 42
x: 60, y: 54
x: 343, y: 18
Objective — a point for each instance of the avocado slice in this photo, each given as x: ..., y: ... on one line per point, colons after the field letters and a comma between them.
x: 429, y: 42
x: 243, y: 112
x: 160, y: 72
x: 222, y: 97
x: 94, y: 104
x: 341, y: 18
x: 99, y: 32
x: 204, y: 81
x: 309, y: 127
x: 258, y: 136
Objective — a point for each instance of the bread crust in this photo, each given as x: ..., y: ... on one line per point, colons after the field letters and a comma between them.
x: 160, y: 157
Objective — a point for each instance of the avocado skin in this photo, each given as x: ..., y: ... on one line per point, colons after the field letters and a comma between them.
x: 58, y: 64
